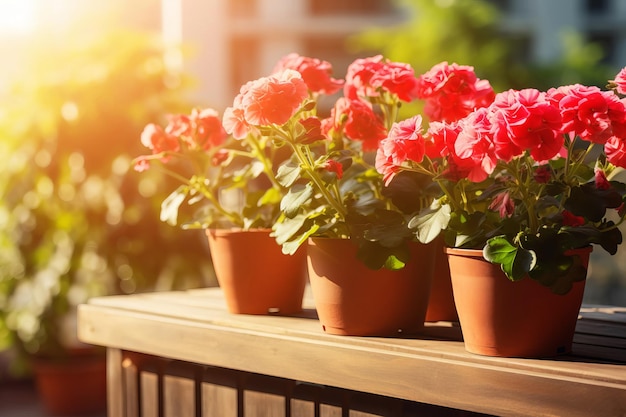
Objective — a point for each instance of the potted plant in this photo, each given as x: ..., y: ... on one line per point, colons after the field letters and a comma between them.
x: 334, y: 205
x: 526, y: 189
x: 230, y: 187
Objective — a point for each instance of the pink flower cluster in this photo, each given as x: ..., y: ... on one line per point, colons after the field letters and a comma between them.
x: 512, y: 124
x: 264, y: 102
x: 274, y: 100
x: 452, y: 91
x: 369, y: 77
x: 200, y: 130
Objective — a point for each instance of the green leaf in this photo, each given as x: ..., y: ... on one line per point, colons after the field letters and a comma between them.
x: 515, y: 262
x: 290, y: 233
x: 297, y: 197
x: 394, y: 263
x: 171, y: 204
x: 272, y: 196
x: 429, y: 223
x: 288, y: 227
x: 288, y: 174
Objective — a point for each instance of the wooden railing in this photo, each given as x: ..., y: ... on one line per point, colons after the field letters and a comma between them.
x: 182, y: 354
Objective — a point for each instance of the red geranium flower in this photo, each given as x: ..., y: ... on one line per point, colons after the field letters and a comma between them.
x: 207, y: 129
x: 334, y: 166
x: 366, y: 77
x: 265, y: 101
x: 615, y: 149
x: 274, y: 99
x: 405, y: 142
x: 474, y: 148
x: 359, y: 122
x: 504, y: 204
x: 570, y: 219
x: 525, y: 120
x: 155, y: 138
x: 620, y: 81
x: 315, y: 73
x: 585, y: 111
x: 453, y: 91
x: 602, y: 183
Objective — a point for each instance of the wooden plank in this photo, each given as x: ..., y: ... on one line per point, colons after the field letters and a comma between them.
x: 180, y: 390
x: 149, y: 394
x: 304, y: 399
x: 265, y: 396
x: 115, y: 387
x: 292, y: 330
x: 131, y: 389
x: 220, y: 393
x: 437, y: 372
x: 603, y: 328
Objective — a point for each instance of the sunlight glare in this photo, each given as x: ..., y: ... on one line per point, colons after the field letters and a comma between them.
x: 17, y: 17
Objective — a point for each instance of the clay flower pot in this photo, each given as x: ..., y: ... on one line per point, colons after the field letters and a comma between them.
x: 511, y: 319
x: 74, y: 385
x: 441, y: 301
x: 352, y: 299
x: 254, y: 274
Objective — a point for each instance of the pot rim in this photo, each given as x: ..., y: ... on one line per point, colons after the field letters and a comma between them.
x: 234, y: 230
x: 478, y: 253
x: 474, y: 253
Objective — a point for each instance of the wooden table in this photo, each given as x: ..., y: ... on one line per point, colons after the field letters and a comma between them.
x: 182, y: 354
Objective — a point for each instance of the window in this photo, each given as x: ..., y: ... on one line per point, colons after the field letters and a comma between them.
x: 597, y: 6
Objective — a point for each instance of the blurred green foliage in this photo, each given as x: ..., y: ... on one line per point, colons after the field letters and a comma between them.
x: 75, y: 220
x: 468, y: 32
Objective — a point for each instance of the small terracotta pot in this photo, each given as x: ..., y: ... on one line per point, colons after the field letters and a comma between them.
x: 254, y: 274
x: 511, y: 319
x: 72, y: 386
x: 352, y: 299
x: 441, y: 301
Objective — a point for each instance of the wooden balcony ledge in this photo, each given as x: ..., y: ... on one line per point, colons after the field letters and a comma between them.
x: 182, y: 354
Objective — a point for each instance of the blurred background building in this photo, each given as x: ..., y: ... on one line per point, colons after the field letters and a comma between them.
x: 240, y: 40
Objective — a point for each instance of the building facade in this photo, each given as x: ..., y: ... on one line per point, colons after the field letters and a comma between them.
x: 234, y: 41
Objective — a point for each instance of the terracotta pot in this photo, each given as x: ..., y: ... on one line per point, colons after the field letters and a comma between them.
x: 352, y: 299
x: 441, y: 301
x: 73, y: 385
x: 511, y: 319
x: 254, y: 274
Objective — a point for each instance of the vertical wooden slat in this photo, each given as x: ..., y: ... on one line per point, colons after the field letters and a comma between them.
x: 179, y: 390
x: 265, y: 396
x: 260, y: 404
x: 333, y: 402
x: 219, y: 393
x: 131, y: 389
x: 304, y: 399
x: 149, y: 381
x: 115, y: 389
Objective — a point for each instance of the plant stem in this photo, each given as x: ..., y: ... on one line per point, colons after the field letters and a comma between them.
x: 309, y: 169
x: 267, y: 164
x: 200, y: 186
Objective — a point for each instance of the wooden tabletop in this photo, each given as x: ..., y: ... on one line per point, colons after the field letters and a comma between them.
x: 431, y: 367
